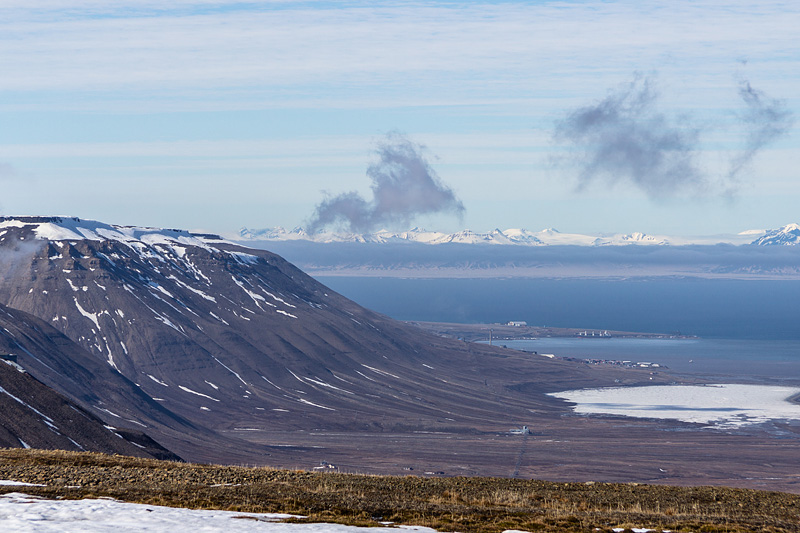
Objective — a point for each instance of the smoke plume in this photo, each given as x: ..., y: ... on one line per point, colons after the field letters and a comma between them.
x: 765, y: 119
x: 624, y: 137
x: 403, y: 186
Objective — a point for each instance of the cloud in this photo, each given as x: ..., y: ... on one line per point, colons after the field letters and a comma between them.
x: 7, y: 171
x: 766, y: 119
x: 16, y: 254
x: 625, y: 138
x: 403, y: 186
x: 216, y: 54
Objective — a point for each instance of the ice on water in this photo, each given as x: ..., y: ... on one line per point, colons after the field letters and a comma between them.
x: 721, y: 405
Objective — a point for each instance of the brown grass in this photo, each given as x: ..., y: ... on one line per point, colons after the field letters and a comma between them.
x: 468, y: 505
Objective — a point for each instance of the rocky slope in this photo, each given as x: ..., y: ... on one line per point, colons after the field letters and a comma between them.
x: 33, y: 415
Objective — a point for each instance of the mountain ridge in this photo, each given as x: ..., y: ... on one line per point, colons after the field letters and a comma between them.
x: 786, y: 235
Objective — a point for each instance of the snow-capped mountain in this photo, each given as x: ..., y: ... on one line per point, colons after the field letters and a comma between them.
x: 197, y: 338
x: 513, y: 236
x: 787, y: 235
x: 548, y: 253
x: 274, y: 234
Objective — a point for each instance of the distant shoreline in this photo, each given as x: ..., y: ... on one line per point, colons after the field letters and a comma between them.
x: 537, y: 272
x: 505, y: 332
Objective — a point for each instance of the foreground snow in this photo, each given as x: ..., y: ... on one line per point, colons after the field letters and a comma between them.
x: 724, y: 406
x: 23, y: 513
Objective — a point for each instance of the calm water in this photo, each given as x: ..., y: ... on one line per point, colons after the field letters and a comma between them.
x: 725, y: 309
x: 745, y: 360
x: 749, y: 329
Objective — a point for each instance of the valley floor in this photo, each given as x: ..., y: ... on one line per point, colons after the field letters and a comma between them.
x: 571, y: 448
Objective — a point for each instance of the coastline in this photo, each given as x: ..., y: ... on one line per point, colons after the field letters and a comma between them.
x: 506, y: 332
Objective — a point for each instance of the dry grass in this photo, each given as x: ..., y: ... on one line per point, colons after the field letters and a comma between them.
x: 449, y: 504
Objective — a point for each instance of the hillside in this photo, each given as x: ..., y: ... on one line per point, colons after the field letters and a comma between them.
x: 33, y: 415
x: 487, y: 505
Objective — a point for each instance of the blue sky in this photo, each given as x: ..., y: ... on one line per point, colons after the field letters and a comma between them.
x: 215, y: 115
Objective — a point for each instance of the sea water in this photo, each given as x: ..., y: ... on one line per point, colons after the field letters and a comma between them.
x: 741, y: 360
x: 727, y: 309
x: 748, y: 336
x: 748, y: 331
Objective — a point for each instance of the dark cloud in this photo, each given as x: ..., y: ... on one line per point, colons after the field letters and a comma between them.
x: 403, y: 186
x: 766, y: 119
x: 625, y: 138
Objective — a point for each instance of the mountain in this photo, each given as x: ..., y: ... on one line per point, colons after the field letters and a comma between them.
x: 59, y: 363
x: 545, y: 254
x: 788, y: 235
x: 34, y: 415
x: 519, y: 237
x: 204, y: 344
x: 512, y: 236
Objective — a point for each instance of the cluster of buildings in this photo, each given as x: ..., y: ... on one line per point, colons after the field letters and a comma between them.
x: 601, y: 334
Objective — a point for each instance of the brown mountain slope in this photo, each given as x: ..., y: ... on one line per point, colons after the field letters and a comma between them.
x: 33, y: 415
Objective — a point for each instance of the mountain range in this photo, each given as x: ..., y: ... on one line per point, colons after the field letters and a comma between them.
x: 787, y: 235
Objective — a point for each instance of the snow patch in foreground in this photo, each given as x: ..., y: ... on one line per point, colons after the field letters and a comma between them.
x: 723, y: 405
x: 20, y: 512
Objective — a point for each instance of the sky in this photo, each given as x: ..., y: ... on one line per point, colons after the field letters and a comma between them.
x: 584, y: 116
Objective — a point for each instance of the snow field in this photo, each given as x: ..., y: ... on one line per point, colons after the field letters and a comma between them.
x: 23, y: 513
